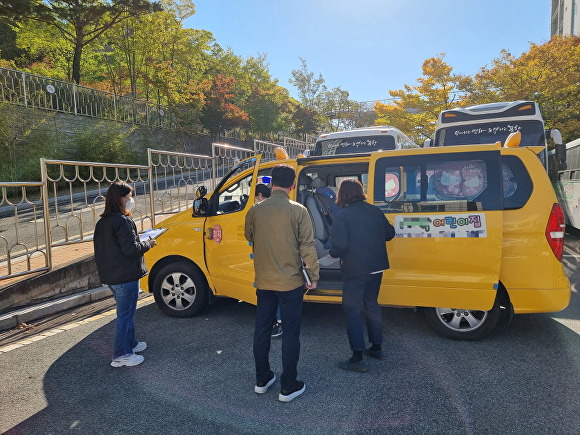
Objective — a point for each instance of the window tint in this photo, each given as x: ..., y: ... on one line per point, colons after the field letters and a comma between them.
x: 358, y: 144
x: 516, y: 183
x: 439, y: 182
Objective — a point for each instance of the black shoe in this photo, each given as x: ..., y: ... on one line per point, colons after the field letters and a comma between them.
x: 377, y: 354
x: 359, y: 366
x: 289, y: 395
x: 277, y: 329
x: 263, y: 387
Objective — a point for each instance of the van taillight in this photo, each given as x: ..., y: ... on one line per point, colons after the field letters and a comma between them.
x: 555, y: 231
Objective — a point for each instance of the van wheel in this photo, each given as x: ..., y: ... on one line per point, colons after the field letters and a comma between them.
x: 180, y: 290
x: 461, y: 324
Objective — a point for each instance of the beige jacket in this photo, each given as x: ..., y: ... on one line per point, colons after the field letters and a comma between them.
x: 281, y: 232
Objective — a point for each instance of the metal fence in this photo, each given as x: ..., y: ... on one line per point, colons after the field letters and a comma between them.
x: 32, y: 91
x: 175, y: 176
x: 23, y: 239
x: 64, y: 207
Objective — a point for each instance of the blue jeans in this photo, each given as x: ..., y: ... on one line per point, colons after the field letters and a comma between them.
x: 126, y: 297
x: 290, y: 303
x: 360, y: 305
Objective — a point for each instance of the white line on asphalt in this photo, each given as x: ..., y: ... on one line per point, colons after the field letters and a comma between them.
x: 51, y: 332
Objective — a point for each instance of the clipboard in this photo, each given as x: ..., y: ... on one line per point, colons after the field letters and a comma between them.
x: 152, y: 233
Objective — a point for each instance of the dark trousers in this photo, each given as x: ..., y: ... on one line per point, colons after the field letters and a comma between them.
x: 360, y: 305
x: 290, y: 303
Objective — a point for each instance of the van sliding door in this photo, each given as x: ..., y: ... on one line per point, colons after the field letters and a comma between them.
x: 446, y: 207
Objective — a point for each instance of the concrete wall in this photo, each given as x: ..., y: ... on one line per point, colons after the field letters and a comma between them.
x: 75, y: 277
x: 64, y: 128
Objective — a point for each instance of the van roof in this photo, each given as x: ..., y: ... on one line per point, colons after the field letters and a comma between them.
x: 358, y: 131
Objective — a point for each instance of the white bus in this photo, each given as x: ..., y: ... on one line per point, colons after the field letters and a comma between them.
x: 362, y: 140
x: 494, y: 122
x: 568, y: 185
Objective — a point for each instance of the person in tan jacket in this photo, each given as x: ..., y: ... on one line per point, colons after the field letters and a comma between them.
x: 282, y: 237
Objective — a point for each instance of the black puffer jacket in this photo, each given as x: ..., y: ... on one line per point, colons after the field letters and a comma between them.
x: 118, y: 251
x: 359, y: 234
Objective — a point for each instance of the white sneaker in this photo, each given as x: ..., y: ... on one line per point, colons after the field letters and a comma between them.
x: 141, y: 346
x: 131, y: 359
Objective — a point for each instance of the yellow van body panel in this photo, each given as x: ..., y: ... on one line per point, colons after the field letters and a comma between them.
x: 184, y: 238
x: 532, y: 275
x: 432, y: 272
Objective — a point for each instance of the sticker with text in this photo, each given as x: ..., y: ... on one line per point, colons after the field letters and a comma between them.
x: 454, y: 226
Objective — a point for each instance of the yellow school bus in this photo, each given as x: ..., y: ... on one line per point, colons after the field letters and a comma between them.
x: 479, y: 235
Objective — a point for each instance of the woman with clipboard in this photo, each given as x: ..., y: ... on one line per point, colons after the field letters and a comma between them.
x: 120, y: 264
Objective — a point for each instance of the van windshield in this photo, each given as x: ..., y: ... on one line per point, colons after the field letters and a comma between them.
x: 357, y: 144
x: 491, y: 132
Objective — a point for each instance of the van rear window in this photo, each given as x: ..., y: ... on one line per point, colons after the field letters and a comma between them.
x: 516, y: 183
x: 438, y: 182
x: 358, y: 144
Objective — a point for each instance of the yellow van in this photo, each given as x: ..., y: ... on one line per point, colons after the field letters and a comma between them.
x: 479, y: 235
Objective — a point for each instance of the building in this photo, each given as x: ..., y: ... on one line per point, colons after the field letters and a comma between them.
x: 565, y: 19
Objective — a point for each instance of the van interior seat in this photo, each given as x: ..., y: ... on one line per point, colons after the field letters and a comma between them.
x: 321, y: 232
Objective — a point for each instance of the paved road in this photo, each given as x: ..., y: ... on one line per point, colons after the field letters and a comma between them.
x: 198, y: 377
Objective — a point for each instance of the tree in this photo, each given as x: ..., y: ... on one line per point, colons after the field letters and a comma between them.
x: 220, y: 113
x: 264, y: 107
x: 414, y: 109
x: 310, y: 89
x: 548, y: 74
x: 79, y: 22
x: 302, y: 119
x: 8, y: 48
x: 339, y: 112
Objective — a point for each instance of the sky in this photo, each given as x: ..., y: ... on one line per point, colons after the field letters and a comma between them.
x: 368, y: 47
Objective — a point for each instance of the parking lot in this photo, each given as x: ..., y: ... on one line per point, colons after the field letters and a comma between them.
x: 198, y: 376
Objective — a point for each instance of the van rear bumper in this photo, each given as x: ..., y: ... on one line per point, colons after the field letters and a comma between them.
x: 527, y: 301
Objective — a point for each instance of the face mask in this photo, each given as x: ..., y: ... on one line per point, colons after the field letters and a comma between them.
x: 130, y: 204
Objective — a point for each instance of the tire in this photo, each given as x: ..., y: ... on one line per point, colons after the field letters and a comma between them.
x: 180, y: 290
x: 461, y: 324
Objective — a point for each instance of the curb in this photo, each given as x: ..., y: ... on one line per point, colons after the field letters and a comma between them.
x: 13, y: 319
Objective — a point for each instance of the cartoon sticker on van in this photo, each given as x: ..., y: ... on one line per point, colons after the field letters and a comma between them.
x: 421, y: 222
x: 456, y: 225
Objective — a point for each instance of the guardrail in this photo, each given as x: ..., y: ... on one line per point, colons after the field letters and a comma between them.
x: 64, y: 207
x: 32, y: 91
x: 22, y: 234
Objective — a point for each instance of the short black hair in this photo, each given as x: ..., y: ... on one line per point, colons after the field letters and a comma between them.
x: 263, y: 189
x: 283, y: 176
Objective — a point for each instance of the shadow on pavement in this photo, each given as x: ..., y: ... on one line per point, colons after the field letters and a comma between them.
x: 198, y: 377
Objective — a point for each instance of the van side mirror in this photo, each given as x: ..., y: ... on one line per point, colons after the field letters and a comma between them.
x: 200, y: 207
x: 427, y: 143
x: 200, y: 192
x: 560, y: 149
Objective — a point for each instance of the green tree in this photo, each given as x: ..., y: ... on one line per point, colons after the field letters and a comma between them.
x: 339, y: 111
x: 264, y: 108
x: 548, y: 74
x: 310, y: 88
x: 331, y: 110
x: 8, y: 48
x: 79, y: 22
x: 113, y: 145
x: 414, y: 109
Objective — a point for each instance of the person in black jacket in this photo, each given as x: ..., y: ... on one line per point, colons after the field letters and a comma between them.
x: 359, y: 236
x: 120, y: 264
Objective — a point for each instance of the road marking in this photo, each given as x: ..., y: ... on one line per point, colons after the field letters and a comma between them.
x: 64, y: 328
